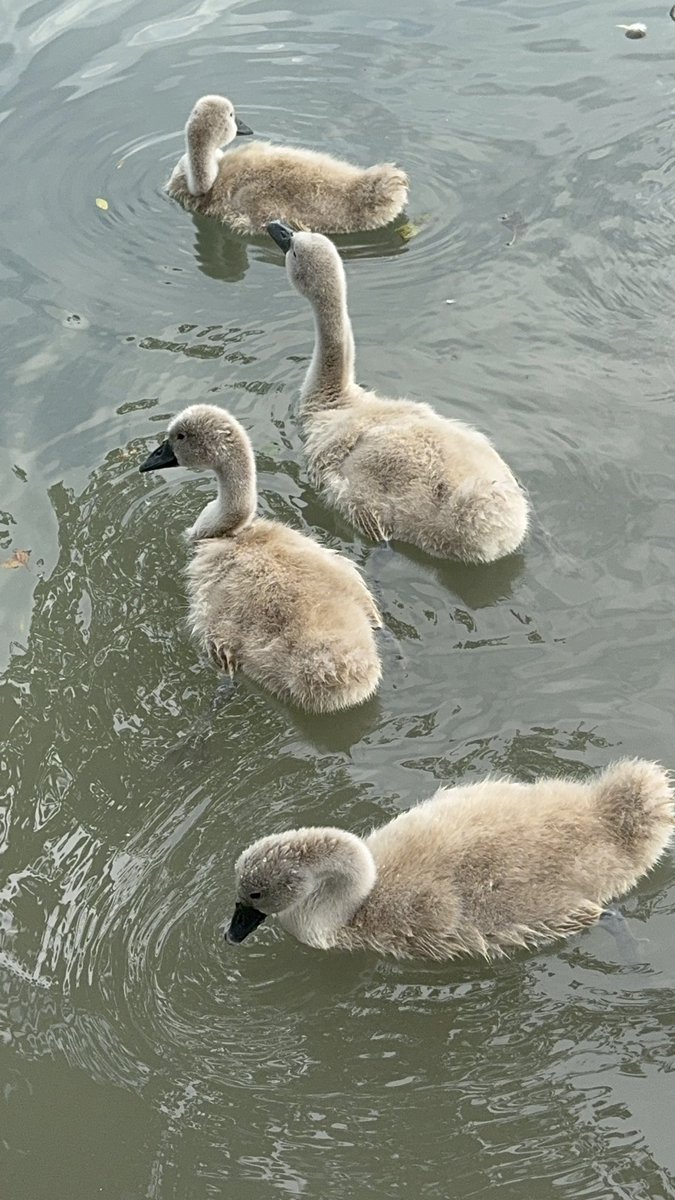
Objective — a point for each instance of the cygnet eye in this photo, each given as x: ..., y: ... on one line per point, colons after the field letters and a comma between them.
x: 254, y: 895
x: 180, y: 436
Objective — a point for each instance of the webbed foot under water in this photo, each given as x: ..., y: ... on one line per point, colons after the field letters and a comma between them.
x: 628, y: 946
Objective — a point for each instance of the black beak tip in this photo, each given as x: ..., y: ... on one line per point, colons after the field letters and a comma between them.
x: 282, y: 234
x: 244, y: 920
x: 243, y: 130
x: 161, y: 457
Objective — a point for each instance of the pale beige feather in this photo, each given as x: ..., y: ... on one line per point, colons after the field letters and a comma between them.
x: 481, y: 869
x: 250, y: 185
x: 395, y: 469
x: 265, y: 599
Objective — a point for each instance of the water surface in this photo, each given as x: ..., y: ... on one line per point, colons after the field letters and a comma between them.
x: 141, y: 1057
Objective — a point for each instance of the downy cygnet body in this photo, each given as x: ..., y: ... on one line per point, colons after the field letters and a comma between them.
x: 248, y: 186
x: 394, y: 468
x: 265, y: 599
x: 479, y: 870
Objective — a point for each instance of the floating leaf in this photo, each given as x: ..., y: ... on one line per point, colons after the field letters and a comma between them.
x: 408, y: 231
x: 18, y: 559
x: 101, y: 203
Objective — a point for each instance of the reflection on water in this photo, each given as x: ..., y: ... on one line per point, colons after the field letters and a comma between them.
x: 223, y: 255
x: 143, y: 1057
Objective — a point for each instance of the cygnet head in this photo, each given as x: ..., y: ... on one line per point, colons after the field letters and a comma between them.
x: 203, y: 437
x: 313, y: 264
x: 281, y: 872
x: 271, y: 876
x: 214, y: 121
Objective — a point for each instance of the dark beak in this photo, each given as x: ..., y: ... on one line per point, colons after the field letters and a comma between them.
x: 281, y: 234
x: 243, y: 130
x: 244, y: 920
x: 162, y: 456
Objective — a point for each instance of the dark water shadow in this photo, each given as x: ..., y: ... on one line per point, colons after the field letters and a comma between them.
x: 228, y: 703
x: 222, y: 254
x: 477, y: 585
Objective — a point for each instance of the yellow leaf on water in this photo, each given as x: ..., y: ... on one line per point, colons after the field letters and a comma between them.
x: 18, y: 559
x: 101, y: 203
x: 408, y: 231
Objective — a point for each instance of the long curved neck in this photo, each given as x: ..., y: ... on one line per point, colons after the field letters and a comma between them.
x: 331, y: 370
x: 343, y: 882
x: 202, y: 157
x: 235, y: 505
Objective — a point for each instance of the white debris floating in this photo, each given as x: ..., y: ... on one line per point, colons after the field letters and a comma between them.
x: 638, y: 30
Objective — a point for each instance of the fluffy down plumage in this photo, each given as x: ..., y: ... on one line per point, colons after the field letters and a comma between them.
x: 265, y: 599
x: 249, y: 186
x: 477, y: 870
x: 394, y: 468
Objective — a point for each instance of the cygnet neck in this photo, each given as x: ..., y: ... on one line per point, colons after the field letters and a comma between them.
x: 203, y: 155
x: 331, y: 371
x: 343, y: 883
x: 235, y: 505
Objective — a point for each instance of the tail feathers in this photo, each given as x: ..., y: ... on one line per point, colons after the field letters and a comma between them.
x: 487, y: 518
x: 324, y: 680
x: 383, y: 191
x: 635, y: 798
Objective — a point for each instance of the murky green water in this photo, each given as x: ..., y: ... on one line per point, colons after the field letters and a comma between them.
x: 142, y: 1057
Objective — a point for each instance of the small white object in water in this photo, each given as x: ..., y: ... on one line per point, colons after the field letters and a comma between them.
x: 634, y: 31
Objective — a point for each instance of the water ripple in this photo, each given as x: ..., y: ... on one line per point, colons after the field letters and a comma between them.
x: 127, y: 794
